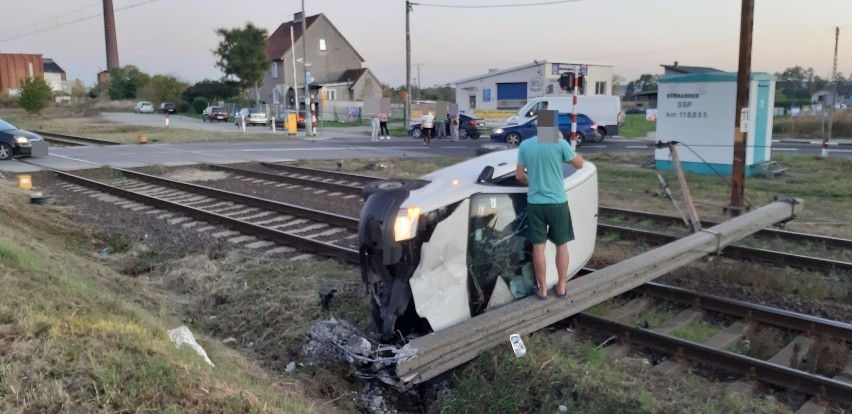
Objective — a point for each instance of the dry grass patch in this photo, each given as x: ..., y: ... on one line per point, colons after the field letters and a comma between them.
x: 72, y: 338
x: 386, y: 168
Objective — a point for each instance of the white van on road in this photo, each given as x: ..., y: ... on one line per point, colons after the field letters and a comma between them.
x: 604, y: 110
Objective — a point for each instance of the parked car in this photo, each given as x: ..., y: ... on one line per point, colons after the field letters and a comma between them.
x: 168, y: 108
x: 469, y: 127
x: 587, y: 130
x: 17, y: 142
x: 279, y: 119
x: 214, y: 113
x: 144, y: 107
x: 253, y: 116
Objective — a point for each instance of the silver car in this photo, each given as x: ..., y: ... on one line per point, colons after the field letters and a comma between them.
x: 252, y: 116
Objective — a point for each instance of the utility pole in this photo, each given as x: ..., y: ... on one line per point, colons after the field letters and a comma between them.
x: 419, y: 88
x: 407, y: 65
x: 740, y: 134
x: 833, y: 95
x: 309, y: 109
x: 295, y: 74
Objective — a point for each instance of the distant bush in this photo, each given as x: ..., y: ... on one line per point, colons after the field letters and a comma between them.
x: 183, y: 107
x: 35, y: 95
x: 812, y: 126
x: 199, y: 104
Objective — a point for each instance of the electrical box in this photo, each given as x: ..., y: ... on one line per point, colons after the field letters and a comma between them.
x: 699, y: 110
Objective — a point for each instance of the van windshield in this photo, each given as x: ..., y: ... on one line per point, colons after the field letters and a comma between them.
x: 539, y: 106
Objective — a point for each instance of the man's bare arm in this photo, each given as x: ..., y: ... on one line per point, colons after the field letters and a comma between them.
x: 577, y: 162
x: 521, y: 175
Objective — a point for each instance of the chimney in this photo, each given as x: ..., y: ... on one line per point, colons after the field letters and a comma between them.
x: 109, y: 34
x: 675, y: 65
x: 297, y: 17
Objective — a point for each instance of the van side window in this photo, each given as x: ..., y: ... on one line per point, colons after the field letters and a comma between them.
x: 541, y: 106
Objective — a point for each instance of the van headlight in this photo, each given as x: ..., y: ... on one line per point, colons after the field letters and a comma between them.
x: 405, y: 226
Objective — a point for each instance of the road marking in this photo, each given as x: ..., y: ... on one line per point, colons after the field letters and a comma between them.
x: 292, y: 149
x: 839, y: 150
x: 785, y: 149
x: 74, y: 159
x: 592, y: 146
x: 636, y: 146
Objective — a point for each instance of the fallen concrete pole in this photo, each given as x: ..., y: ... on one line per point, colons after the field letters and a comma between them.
x: 441, y: 351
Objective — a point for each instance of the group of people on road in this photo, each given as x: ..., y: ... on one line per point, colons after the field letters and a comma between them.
x: 379, y: 126
x: 429, y: 122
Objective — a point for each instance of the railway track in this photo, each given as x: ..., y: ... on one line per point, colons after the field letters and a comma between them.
x: 71, y: 140
x: 247, y: 218
x: 783, y: 369
x: 350, y: 184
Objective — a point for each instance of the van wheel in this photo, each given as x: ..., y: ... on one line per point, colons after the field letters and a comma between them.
x: 513, y: 138
x: 373, y: 187
x: 601, y: 136
x: 493, y: 147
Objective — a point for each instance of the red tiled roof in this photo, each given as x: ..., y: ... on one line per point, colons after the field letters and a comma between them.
x: 279, y: 41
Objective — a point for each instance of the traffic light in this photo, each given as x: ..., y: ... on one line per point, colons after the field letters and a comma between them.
x: 566, y: 81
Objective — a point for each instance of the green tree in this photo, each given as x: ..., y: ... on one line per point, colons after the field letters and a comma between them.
x: 242, y: 53
x: 617, y: 81
x: 163, y: 88
x: 79, y: 90
x: 35, y: 95
x: 125, y: 82
x: 211, y: 90
x: 199, y: 104
x: 646, y: 82
x: 793, y: 82
x: 630, y: 93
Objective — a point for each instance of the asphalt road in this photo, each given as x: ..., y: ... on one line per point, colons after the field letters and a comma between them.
x: 332, y: 143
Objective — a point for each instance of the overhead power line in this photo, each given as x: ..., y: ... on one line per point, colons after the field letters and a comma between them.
x: 32, y: 32
x: 461, y: 6
x: 53, y: 19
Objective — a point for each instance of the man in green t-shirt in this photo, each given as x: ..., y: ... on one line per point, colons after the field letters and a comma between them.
x: 548, y: 216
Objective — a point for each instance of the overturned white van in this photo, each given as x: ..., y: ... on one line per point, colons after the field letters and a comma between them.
x: 451, y: 245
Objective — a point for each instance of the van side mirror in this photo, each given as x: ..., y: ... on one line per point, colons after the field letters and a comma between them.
x: 486, y: 174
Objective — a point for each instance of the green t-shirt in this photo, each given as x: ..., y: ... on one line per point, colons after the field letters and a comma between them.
x: 545, y: 169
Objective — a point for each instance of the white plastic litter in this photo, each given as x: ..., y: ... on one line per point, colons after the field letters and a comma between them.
x: 183, y: 335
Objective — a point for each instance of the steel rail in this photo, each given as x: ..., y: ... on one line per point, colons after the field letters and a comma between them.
x: 74, y: 140
x: 301, y: 243
x: 284, y: 208
x: 765, y: 371
x: 739, y: 252
x: 325, y: 185
x: 811, y: 325
x: 337, y: 175
x: 829, y: 242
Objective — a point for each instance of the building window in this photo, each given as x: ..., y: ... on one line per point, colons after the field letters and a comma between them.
x: 600, y: 88
x: 472, y: 101
x: 332, y: 94
x: 322, y: 45
x: 275, y: 98
x: 30, y: 67
x: 274, y: 69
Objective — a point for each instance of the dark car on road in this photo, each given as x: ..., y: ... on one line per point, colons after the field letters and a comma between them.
x: 168, y: 108
x: 279, y: 119
x: 214, y: 113
x: 587, y: 130
x: 17, y: 142
x: 469, y: 127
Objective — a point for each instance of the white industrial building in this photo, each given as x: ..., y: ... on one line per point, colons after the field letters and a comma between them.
x: 509, y: 89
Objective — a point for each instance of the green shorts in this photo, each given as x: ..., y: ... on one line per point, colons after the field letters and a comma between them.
x: 549, y: 222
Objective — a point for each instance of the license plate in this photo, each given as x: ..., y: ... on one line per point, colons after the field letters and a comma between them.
x: 38, y: 148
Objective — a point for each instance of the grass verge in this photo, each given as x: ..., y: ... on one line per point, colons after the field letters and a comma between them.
x: 72, y: 339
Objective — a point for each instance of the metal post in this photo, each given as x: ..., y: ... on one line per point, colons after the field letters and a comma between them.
x: 308, y: 110
x: 740, y: 136
x: 407, y: 65
x: 833, y: 95
x: 574, y: 110
x: 295, y: 73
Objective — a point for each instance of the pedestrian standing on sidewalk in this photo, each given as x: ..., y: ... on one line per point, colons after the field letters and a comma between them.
x: 441, y: 127
x: 383, y: 125
x: 454, y: 127
x: 374, y: 127
x: 426, y: 128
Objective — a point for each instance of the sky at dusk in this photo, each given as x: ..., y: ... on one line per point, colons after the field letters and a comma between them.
x: 177, y: 36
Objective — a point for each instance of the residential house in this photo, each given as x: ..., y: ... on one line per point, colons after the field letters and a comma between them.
x: 15, y: 68
x: 334, y: 65
x: 844, y: 94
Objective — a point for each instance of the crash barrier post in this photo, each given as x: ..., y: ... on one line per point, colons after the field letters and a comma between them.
x: 167, y: 118
x: 243, y: 123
